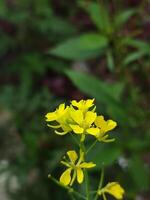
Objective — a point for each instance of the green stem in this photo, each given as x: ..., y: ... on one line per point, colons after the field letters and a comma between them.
x: 100, y: 183
x: 104, y: 197
x: 70, y: 190
x: 92, y: 145
x: 86, y: 174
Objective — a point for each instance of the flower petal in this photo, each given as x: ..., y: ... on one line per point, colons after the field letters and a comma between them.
x: 77, y: 129
x: 87, y: 165
x: 90, y: 118
x: 93, y: 131
x: 100, y: 122
x: 51, y: 116
x: 77, y: 104
x: 89, y: 103
x: 111, y: 124
x: 80, y: 175
x: 72, y: 156
x: 115, y: 190
x: 77, y: 116
x: 66, y: 177
x: 61, y: 107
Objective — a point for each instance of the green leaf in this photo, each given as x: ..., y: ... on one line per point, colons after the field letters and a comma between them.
x: 83, y: 47
x: 100, y: 16
x: 139, y: 173
x: 140, y: 45
x: 123, y: 17
x: 104, y: 155
x: 133, y: 57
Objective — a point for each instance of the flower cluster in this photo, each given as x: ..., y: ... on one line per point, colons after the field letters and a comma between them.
x: 80, y: 118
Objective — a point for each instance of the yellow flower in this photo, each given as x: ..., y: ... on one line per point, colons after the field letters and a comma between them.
x: 113, y: 189
x: 103, y: 126
x: 76, y: 165
x: 83, y: 122
x: 60, y: 115
x: 83, y: 105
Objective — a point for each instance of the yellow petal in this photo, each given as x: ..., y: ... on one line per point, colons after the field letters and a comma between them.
x: 76, y: 104
x: 51, y: 116
x: 111, y: 124
x: 80, y: 175
x: 77, y: 129
x: 100, y: 122
x: 83, y: 105
x: 72, y: 156
x: 61, y: 107
x: 90, y: 118
x: 87, y: 165
x: 77, y: 116
x: 93, y: 131
x: 66, y: 177
x: 89, y: 103
x: 115, y: 190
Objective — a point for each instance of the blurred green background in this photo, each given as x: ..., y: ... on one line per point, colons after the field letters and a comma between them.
x: 53, y: 51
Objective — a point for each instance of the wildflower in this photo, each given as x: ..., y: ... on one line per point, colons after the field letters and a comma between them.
x: 113, y: 189
x: 83, y: 105
x: 103, y: 126
x: 76, y: 165
x: 83, y: 122
x: 60, y: 115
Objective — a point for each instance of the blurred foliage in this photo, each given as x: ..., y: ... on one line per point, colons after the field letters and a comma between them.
x: 54, y: 51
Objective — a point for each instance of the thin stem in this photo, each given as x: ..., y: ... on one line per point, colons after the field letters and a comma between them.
x: 92, y: 145
x: 100, y: 183
x: 104, y: 197
x: 71, y: 191
x: 87, y: 188
x: 87, y: 184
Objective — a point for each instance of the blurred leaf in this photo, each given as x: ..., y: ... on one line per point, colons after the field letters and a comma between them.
x: 104, y: 155
x: 139, y: 173
x: 139, y: 44
x: 95, y: 87
x: 100, y: 16
x: 54, y: 26
x: 143, y: 49
x: 123, y: 17
x: 83, y: 47
x: 133, y: 57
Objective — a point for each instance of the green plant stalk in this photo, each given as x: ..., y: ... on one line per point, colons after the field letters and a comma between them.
x: 104, y: 197
x: 70, y: 190
x: 87, y: 187
x: 92, y: 145
x: 100, y: 183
